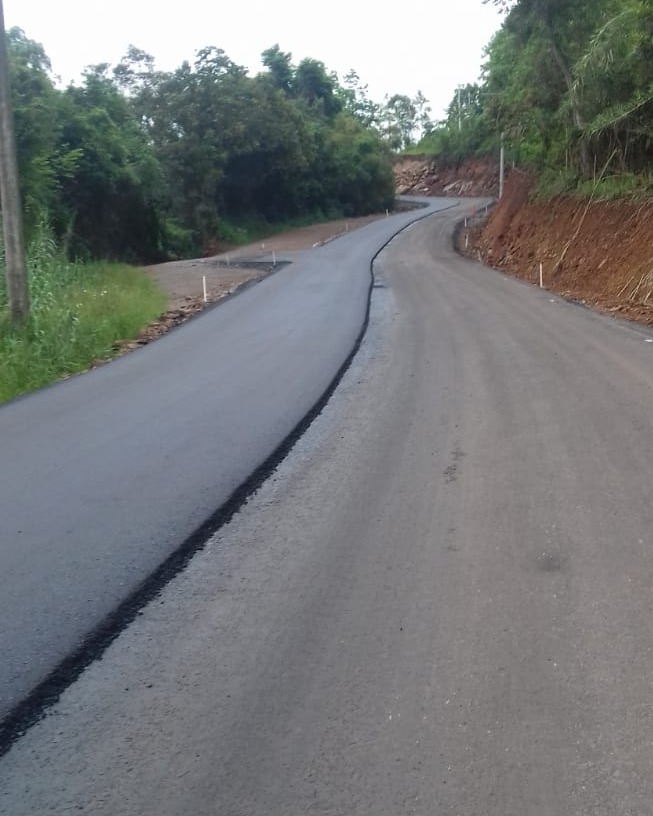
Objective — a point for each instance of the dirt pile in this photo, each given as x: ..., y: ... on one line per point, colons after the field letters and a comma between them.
x: 421, y: 175
x: 596, y: 252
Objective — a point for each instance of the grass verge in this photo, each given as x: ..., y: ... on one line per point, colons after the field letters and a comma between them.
x: 79, y: 312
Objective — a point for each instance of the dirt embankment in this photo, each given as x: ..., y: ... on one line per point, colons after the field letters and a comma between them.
x: 598, y: 252
x: 420, y: 175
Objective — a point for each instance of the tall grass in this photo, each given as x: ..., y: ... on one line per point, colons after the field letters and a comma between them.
x: 79, y: 311
x: 557, y: 182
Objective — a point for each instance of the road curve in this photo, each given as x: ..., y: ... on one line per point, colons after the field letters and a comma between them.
x: 439, y: 604
x: 103, y: 476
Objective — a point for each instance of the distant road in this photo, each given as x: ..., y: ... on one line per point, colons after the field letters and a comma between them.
x: 102, y: 477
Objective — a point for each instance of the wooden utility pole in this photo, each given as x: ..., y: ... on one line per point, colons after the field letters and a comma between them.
x: 12, y: 224
x: 502, y: 165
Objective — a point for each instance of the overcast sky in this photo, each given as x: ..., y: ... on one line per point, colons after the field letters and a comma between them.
x: 427, y: 45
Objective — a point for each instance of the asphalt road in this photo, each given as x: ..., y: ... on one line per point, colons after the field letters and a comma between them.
x: 102, y: 477
x: 440, y: 603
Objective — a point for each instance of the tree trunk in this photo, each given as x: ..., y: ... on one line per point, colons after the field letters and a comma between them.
x: 12, y: 226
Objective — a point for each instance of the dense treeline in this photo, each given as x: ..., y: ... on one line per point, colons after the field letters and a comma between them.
x: 570, y: 84
x: 136, y: 163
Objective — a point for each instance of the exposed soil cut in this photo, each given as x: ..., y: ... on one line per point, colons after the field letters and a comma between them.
x: 421, y: 175
x: 599, y: 253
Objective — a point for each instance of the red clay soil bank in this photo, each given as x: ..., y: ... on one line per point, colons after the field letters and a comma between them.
x: 600, y: 253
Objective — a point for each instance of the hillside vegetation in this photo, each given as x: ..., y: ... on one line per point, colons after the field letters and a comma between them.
x: 569, y: 84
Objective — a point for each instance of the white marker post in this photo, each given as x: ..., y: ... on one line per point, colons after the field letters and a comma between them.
x: 204, y: 288
x: 387, y: 214
x: 274, y: 258
x: 466, y: 241
x: 541, y: 276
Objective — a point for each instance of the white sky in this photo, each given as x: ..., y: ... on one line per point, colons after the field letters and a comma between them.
x: 434, y: 47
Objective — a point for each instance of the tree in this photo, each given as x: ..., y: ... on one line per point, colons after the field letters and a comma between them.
x: 422, y: 113
x: 135, y: 72
x: 42, y: 158
x: 359, y: 169
x: 614, y: 83
x: 110, y: 202
x: 280, y: 68
x: 562, y: 28
x: 400, y: 120
x: 315, y: 87
x: 356, y: 100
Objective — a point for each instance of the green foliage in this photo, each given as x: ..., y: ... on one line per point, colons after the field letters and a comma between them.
x: 604, y: 188
x: 79, y: 312
x: 353, y: 156
x: 571, y: 84
x: 316, y: 88
x: 400, y: 121
x: 553, y: 182
x: 140, y: 164
x: 280, y: 69
x: 631, y: 185
x: 177, y: 240
x: 401, y: 118
x: 356, y: 101
x: 614, y: 83
x: 467, y: 131
x: 42, y: 159
x: 239, y: 149
x: 111, y: 199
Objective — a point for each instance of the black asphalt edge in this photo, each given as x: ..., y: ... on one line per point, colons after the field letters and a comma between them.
x: 35, y: 706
